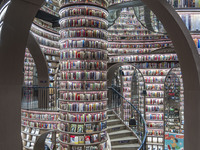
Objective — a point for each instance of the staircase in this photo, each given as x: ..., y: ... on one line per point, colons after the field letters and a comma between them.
x: 121, y: 137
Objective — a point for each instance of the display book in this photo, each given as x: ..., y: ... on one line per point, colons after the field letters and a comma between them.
x: 83, y: 86
x: 28, y: 68
x: 174, y: 109
x: 34, y: 124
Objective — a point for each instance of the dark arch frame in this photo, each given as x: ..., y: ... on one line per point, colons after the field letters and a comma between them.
x: 190, y: 67
x: 15, y: 30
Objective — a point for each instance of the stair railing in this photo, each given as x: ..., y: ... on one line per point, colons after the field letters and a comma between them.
x: 129, y: 114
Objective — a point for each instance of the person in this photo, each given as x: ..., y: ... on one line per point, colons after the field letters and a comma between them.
x: 174, y: 144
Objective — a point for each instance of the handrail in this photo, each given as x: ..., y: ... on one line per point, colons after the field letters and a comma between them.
x: 145, y: 135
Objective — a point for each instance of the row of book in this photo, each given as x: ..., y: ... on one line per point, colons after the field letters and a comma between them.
x: 132, y: 58
x: 126, y: 89
x: 82, y: 148
x: 49, y: 10
x: 155, y: 94
x: 184, y: 3
x: 84, y: 44
x: 87, y: 65
x: 28, y: 77
x: 130, y: 37
x: 154, y: 101
x: 127, y: 72
x: 84, y: 33
x: 83, y: 85
x: 155, y: 132
x: 28, y: 73
x: 84, y: 118
x: 28, y: 68
x: 158, y: 125
x: 47, y: 42
x: 29, y: 63
x: 43, y: 125
x: 39, y: 116
x: 88, y: 96
x: 45, y: 25
x: 81, y: 107
x: 133, y: 32
x: 97, y: 55
x: 154, y: 79
x: 154, y: 72
x: 154, y: 108
x: 89, y: 22
x: 154, y: 45
x: 161, y: 65
x: 97, y: 2
x: 87, y: 139
x: 50, y: 5
x: 28, y: 59
x: 154, y: 86
x: 85, y: 11
x: 49, y: 51
x: 155, y: 116
x: 44, y: 34
x: 83, y: 128
x: 127, y: 51
x: 84, y: 75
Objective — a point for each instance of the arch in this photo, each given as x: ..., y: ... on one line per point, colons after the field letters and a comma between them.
x: 14, y: 34
x: 190, y: 66
x: 110, y: 75
x: 111, y: 70
x: 40, y: 61
x: 42, y: 69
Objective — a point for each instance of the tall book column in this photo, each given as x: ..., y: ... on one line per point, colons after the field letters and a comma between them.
x: 83, y: 83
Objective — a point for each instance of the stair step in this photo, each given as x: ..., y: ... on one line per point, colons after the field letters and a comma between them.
x: 113, y: 122
x: 124, y: 140
x: 126, y: 147
x: 111, y: 116
x: 116, y: 126
x: 119, y: 132
x: 110, y: 112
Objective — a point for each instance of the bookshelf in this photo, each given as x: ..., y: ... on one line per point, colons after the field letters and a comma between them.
x: 174, y: 107
x: 34, y: 124
x: 83, y: 76
x: 51, y: 8
x: 28, y: 68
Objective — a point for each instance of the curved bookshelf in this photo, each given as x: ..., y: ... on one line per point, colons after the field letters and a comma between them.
x: 35, y: 123
x: 83, y: 76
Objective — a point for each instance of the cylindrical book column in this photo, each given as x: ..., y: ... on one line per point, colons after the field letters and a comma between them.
x: 83, y: 85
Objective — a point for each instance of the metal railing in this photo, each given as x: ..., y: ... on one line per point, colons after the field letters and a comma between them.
x: 129, y: 114
x: 39, y: 98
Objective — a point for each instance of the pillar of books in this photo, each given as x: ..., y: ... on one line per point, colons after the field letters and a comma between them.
x: 83, y: 80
